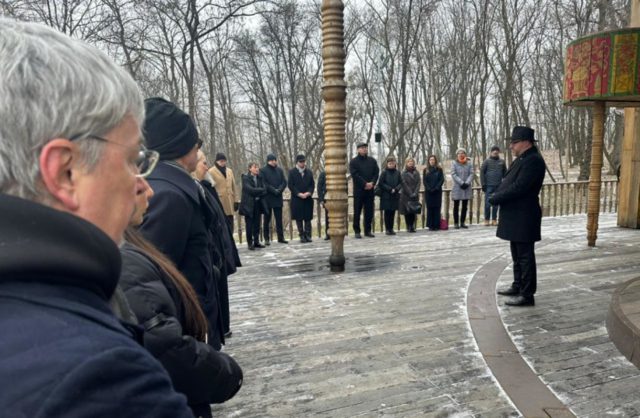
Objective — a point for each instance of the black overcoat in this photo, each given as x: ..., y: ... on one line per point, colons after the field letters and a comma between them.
x: 433, y: 179
x: 64, y: 353
x: 517, y: 195
x: 410, y: 191
x: 177, y: 223
x: 203, y: 374
x: 252, y: 194
x: 275, y: 183
x: 301, y: 209
x: 363, y: 170
x: 390, y: 180
x: 322, y: 186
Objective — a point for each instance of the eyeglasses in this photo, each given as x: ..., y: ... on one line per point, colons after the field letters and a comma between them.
x: 145, y: 161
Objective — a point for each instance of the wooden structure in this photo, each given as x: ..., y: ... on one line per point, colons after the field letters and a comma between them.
x: 629, y: 210
x: 335, y: 150
x: 602, y: 70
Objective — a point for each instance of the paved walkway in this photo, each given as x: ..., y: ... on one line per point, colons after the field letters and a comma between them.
x: 391, y: 335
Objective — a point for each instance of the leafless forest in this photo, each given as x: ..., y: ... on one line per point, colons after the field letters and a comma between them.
x: 431, y: 75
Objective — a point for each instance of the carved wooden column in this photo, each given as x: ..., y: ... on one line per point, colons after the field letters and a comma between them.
x: 334, y: 122
x: 593, y: 208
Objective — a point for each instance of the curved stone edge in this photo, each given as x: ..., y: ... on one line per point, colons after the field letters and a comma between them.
x: 624, y: 334
x: 522, y: 385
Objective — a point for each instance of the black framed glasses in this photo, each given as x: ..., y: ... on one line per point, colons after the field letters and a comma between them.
x: 145, y: 161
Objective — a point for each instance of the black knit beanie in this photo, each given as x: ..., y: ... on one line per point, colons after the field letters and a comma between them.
x: 168, y: 129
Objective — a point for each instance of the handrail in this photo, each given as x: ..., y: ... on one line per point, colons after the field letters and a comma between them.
x: 556, y: 199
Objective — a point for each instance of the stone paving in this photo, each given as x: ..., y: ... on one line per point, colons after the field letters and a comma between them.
x: 390, y: 336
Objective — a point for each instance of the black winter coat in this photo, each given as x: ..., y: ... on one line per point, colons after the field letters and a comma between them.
x: 63, y: 352
x: 322, y: 186
x: 222, y: 227
x: 410, y: 189
x: 517, y: 195
x: 252, y: 194
x: 275, y: 183
x: 390, y: 182
x: 203, y: 374
x: 301, y: 209
x: 177, y: 223
x: 363, y: 170
x: 433, y: 179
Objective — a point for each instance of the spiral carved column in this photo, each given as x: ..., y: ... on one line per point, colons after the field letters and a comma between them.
x: 595, y: 177
x: 334, y: 122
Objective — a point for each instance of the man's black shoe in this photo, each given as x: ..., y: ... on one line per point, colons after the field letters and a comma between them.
x: 509, y: 292
x: 327, y: 238
x: 357, y: 235
x: 251, y: 247
x: 267, y: 242
x: 258, y: 245
x: 521, y: 301
x: 369, y: 234
x: 309, y: 238
x: 228, y: 334
x: 282, y: 241
x: 464, y: 226
x: 303, y: 238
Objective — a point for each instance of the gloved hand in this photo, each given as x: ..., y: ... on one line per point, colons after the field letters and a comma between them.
x: 484, y: 188
x: 236, y: 205
x: 464, y: 186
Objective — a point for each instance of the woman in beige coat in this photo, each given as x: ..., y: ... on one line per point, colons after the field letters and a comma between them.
x: 225, y: 186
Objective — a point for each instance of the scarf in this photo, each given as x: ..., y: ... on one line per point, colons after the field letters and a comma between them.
x: 223, y: 170
x: 300, y: 170
x: 462, y: 159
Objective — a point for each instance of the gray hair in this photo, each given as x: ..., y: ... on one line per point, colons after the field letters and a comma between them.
x: 53, y: 86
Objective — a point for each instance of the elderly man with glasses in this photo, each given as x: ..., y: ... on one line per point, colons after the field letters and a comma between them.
x: 71, y: 162
x: 179, y: 216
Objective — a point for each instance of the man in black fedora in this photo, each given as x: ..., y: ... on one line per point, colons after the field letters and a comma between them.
x: 364, y: 173
x: 520, y: 214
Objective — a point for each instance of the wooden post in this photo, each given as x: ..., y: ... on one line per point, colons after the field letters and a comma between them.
x: 629, y: 187
x: 596, y: 173
x: 334, y: 92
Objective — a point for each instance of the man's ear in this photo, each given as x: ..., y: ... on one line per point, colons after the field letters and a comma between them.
x: 57, y: 160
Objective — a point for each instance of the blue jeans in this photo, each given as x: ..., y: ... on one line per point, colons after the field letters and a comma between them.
x: 490, y: 212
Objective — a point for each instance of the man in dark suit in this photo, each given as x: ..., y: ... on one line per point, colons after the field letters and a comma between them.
x: 520, y: 214
x: 252, y: 204
x: 302, y: 185
x: 178, y: 219
x: 275, y: 183
x: 322, y: 191
x: 364, y: 173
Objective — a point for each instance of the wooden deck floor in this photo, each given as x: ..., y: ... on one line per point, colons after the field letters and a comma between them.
x: 390, y: 336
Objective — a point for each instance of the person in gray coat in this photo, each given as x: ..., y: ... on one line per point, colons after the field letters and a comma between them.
x: 491, y: 173
x: 410, y: 194
x: 462, y: 175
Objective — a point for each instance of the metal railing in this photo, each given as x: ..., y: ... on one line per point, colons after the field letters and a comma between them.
x: 556, y: 199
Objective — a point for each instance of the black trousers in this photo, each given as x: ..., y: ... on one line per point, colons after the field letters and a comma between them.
x: 304, y: 227
x: 230, y: 222
x: 433, y: 217
x: 463, y: 215
x: 277, y: 214
x: 363, y: 201
x: 525, y: 272
x: 410, y: 220
x: 253, y: 226
x: 389, y: 216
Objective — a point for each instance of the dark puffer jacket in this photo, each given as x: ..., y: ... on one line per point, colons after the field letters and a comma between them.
x: 203, y: 374
x: 63, y: 352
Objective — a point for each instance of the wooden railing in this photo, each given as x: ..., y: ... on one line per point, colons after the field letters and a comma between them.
x: 556, y: 199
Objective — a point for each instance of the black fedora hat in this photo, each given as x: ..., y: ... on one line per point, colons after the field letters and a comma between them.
x: 522, y: 133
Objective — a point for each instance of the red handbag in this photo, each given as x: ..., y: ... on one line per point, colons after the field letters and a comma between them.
x: 444, y: 225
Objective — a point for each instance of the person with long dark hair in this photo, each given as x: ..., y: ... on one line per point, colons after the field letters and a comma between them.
x: 390, y: 184
x: 175, y: 327
x: 410, y: 194
x: 433, y: 179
